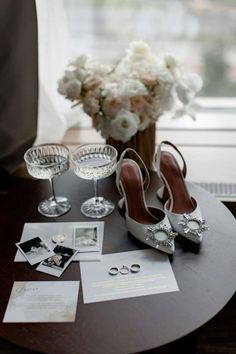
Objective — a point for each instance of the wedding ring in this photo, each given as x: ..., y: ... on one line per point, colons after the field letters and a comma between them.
x: 135, y: 268
x: 124, y: 270
x: 113, y: 271
x: 59, y: 238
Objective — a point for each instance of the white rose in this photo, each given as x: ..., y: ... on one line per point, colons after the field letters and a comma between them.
x: 184, y: 94
x: 68, y: 81
x: 138, y: 50
x: 164, y: 76
x: 69, y: 75
x: 188, y: 86
x: 80, y: 61
x: 79, y: 74
x: 124, y: 126
x: 61, y: 87
x: 193, y: 82
x: 171, y: 61
x: 73, y: 89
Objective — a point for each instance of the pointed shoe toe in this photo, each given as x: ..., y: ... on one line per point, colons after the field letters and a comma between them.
x: 158, y: 235
x: 190, y: 225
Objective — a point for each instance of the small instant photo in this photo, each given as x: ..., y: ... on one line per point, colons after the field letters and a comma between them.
x: 57, y: 263
x: 86, y: 239
x: 34, y: 250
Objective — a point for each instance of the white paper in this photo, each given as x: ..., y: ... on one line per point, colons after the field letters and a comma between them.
x: 42, y: 301
x: 156, y: 276
x: 47, y: 230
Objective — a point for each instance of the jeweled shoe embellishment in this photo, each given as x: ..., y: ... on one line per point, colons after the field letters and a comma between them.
x: 152, y: 235
x: 188, y: 222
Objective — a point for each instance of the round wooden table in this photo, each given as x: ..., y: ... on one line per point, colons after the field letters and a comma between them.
x: 205, y: 275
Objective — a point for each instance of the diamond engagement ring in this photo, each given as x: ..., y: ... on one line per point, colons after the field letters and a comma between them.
x: 124, y: 270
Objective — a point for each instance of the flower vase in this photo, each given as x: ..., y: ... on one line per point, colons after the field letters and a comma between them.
x: 143, y: 142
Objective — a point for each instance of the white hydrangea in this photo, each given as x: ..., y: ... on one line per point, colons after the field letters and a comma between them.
x: 98, y: 69
x: 110, y: 89
x: 139, y: 59
x: 132, y: 87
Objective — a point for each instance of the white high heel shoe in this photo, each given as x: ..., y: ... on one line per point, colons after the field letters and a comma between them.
x: 148, y: 224
x: 182, y: 210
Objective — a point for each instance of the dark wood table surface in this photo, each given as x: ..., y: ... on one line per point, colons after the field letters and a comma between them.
x: 205, y: 275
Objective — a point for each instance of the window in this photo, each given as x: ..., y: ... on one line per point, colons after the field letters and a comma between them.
x: 203, y: 34
x: 200, y: 32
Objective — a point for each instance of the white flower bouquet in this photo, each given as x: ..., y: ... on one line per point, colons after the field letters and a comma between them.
x: 129, y: 96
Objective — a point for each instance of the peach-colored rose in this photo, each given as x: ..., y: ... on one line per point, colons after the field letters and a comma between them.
x: 91, y: 105
x: 149, y: 79
x: 137, y: 104
x: 112, y: 105
x: 149, y: 100
x: 91, y: 83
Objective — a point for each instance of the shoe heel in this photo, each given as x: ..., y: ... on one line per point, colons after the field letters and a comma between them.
x: 121, y: 206
x: 162, y: 194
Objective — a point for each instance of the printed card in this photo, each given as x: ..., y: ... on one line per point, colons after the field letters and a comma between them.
x: 127, y: 274
x: 42, y: 301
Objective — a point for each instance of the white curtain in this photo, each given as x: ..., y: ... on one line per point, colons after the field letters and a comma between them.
x: 55, y: 51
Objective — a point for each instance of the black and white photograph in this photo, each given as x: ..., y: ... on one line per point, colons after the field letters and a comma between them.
x: 57, y: 263
x: 86, y: 239
x: 35, y: 250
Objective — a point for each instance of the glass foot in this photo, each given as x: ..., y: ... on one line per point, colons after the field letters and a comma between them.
x: 51, y: 208
x: 97, y: 207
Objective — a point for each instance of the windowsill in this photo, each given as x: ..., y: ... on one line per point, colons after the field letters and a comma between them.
x: 208, y: 143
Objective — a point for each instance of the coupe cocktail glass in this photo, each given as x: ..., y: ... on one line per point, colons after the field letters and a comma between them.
x: 46, y: 162
x: 94, y: 162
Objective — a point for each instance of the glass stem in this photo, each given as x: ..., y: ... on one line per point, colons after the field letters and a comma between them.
x: 95, y: 182
x: 53, y: 191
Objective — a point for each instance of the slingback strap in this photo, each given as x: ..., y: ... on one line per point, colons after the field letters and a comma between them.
x: 146, y: 179
x: 157, y: 158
